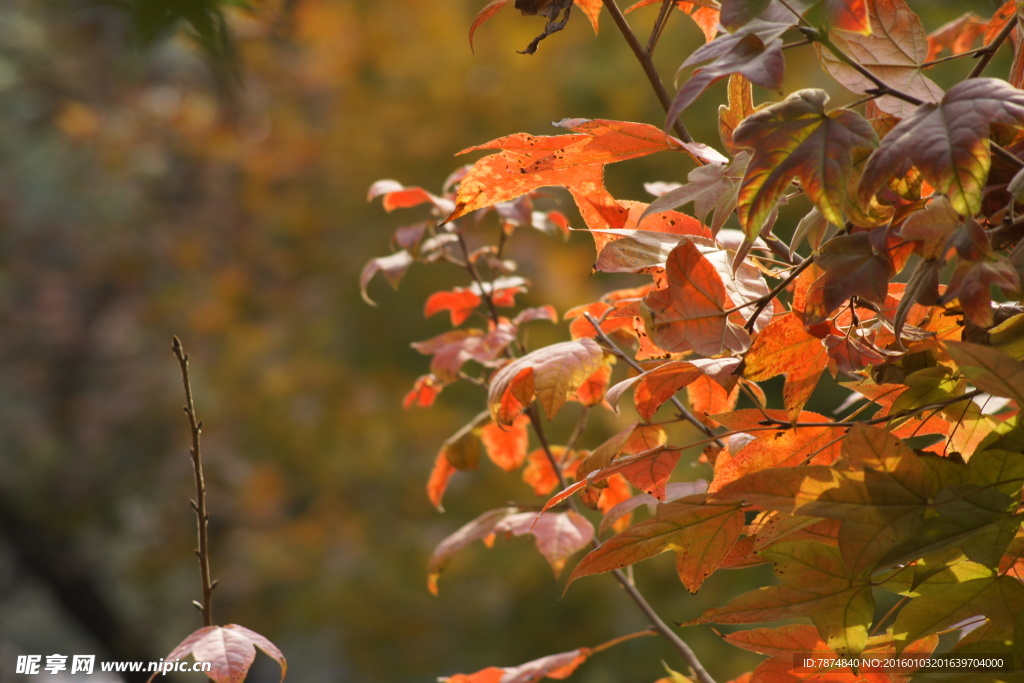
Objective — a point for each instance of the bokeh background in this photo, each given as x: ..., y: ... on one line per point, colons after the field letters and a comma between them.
x: 151, y: 189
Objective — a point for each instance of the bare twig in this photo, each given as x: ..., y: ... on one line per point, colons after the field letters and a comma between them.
x: 199, y: 504
x: 989, y: 51
x: 647, y: 64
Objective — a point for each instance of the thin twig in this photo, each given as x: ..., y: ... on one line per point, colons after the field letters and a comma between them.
x: 682, y: 410
x: 763, y: 302
x: 990, y: 50
x: 199, y: 504
x: 659, y: 25
x: 647, y: 64
x: 657, y: 623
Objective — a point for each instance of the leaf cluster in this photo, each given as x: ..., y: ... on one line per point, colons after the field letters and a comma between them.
x: 900, y: 283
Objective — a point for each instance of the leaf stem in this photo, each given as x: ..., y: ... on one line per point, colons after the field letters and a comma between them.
x: 683, y: 412
x: 622, y: 639
x: 763, y: 302
x: 647, y: 64
x: 199, y: 504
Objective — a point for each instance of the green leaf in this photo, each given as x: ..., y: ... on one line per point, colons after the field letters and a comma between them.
x: 798, y: 138
x: 962, y: 590
x: 815, y: 583
x: 989, y: 369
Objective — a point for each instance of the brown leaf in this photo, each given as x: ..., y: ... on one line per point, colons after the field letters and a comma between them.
x: 689, y: 314
x: 947, y: 142
x: 754, y: 52
x: 893, y: 52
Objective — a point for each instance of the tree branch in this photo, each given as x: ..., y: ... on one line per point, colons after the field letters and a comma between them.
x: 647, y: 64
x: 199, y: 504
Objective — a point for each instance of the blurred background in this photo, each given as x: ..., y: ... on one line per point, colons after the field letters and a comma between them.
x: 209, y: 181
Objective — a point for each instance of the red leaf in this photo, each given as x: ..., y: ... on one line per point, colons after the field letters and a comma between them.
x: 440, y: 475
x: 700, y: 535
x: 460, y: 304
x: 230, y: 649
x: 483, y: 15
x: 650, y: 475
x: 848, y: 15
x: 423, y: 393
x: 957, y: 36
x: 454, y: 349
x: 690, y: 312
x: 506, y: 446
x: 398, y: 196
x: 576, y: 162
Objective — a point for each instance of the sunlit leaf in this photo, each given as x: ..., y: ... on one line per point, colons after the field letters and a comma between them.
x: 893, y: 51
x: 948, y: 142
x: 550, y: 374
x: 700, y: 536
x: 798, y: 138
x: 785, y: 347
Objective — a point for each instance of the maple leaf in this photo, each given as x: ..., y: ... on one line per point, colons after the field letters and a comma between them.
x: 754, y: 51
x: 798, y: 138
x: 550, y: 375
x: 852, y: 267
x: 576, y: 162
x: 893, y: 51
x: 785, y: 347
x: 654, y: 387
x: 815, y: 583
x: 989, y: 369
x: 229, y: 649
x: 769, y: 449
x: 956, y: 592
x: 700, y: 536
x: 690, y: 313
x: 507, y: 444
x: 557, y: 667
x: 947, y: 142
